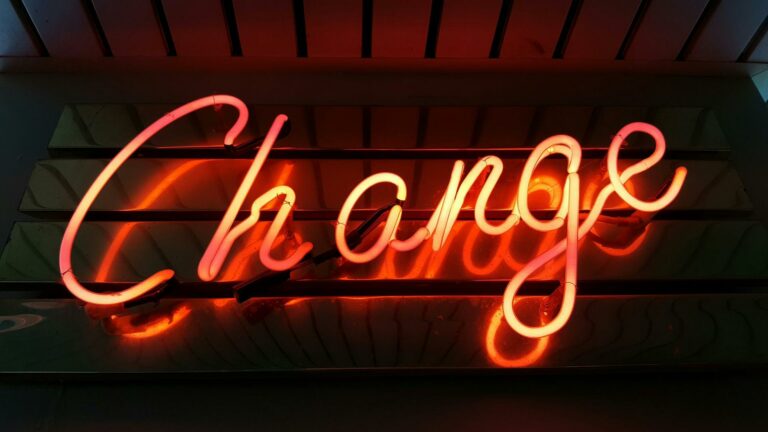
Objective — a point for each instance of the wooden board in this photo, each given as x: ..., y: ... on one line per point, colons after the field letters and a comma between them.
x: 266, y: 28
x: 664, y: 28
x: 111, y: 126
x: 199, y: 186
x: 63, y: 25
x: 384, y: 333
x: 198, y: 27
x: 534, y: 27
x: 334, y: 29
x: 131, y: 27
x: 600, y: 28
x: 467, y: 28
x: 720, y: 39
x: 693, y: 252
x: 14, y: 38
x: 400, y: 28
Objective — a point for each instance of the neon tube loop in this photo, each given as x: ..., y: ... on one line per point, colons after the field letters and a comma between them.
x: 438, y: 227
x: 576, y: 232
x: 65, y: 252
x: 225, y: 235
x: 393, y: 219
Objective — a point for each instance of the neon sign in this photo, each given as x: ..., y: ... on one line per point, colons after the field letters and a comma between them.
x: 485, y: 174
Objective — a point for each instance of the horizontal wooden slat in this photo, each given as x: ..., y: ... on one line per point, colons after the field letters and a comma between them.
x: 334, y: 29
x: 338, y: 333
x: 683, y: 251
x: 276, y: 335
x: 189, y: 185
x: 86, y: 126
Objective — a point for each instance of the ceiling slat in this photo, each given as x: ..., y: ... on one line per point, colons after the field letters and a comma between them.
x: 334, y: 28
x: 131, y: 27
x: 600, y: 28
x: 664, y: 29
x: 760, y: 53
x: 729, y: 30
x: 534, y: 27
x: 467, y: 28
x: 400, y: 28
x: 14, y: 39
x: 64, y: 28
x: 394, y: 127
x: 266, y: 28
x: 198, y: 27
x: 450, y: 127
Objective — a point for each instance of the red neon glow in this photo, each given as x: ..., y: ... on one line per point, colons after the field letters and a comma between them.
x: 226, y: 234
x: 124, y: 326
x: 147, y: 285
x: 528, y: 358
x: 439, y: 228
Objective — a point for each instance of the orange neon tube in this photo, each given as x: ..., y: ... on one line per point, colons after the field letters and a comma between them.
x: 393, y: 218
x: 65, y: 251
x: 225, y: 234
x: 575, y: 232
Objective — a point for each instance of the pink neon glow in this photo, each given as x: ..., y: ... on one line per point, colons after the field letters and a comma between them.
x: 226, y: 234
x: 484, y: 173
x: 389, y: 228
x: 65, y: 252
x: 575, y: 231
x: 527, y: 359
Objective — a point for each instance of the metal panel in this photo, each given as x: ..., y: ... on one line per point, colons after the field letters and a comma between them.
x: 198, y: 27
x: 467, y: 28
x: 600, y: 28
x: 266, y: 27
x: 676, y: 251
x: 14, y: 39
x: 131, y: 27
x: 204, y: 187
x: 334, y: 28
x: 110, y: 126
x: 534, y: 27
x: 400, y: 28
x: 394, y: 127
x: 729, y: 30
x: 760, y: 53
x: 418, y: 333
x: 664, y: 29
x: 63, y: 25
x: 450, y: 127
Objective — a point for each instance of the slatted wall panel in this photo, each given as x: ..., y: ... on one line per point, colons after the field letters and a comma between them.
x: 633, y: 30
x: 684, y: 291
x: 534, y: 28
x: 15, y: 41
x: 198, y: 27
x: 131, y: 27
x: 64, y: 28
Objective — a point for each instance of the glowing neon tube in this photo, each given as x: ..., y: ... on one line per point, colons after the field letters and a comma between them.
x: 225, y: 235
x: 575, y: 232
x: 393, y: 218
x: 65, y: 251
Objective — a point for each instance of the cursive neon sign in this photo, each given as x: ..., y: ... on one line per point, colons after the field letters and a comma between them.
x: 485, y: 174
